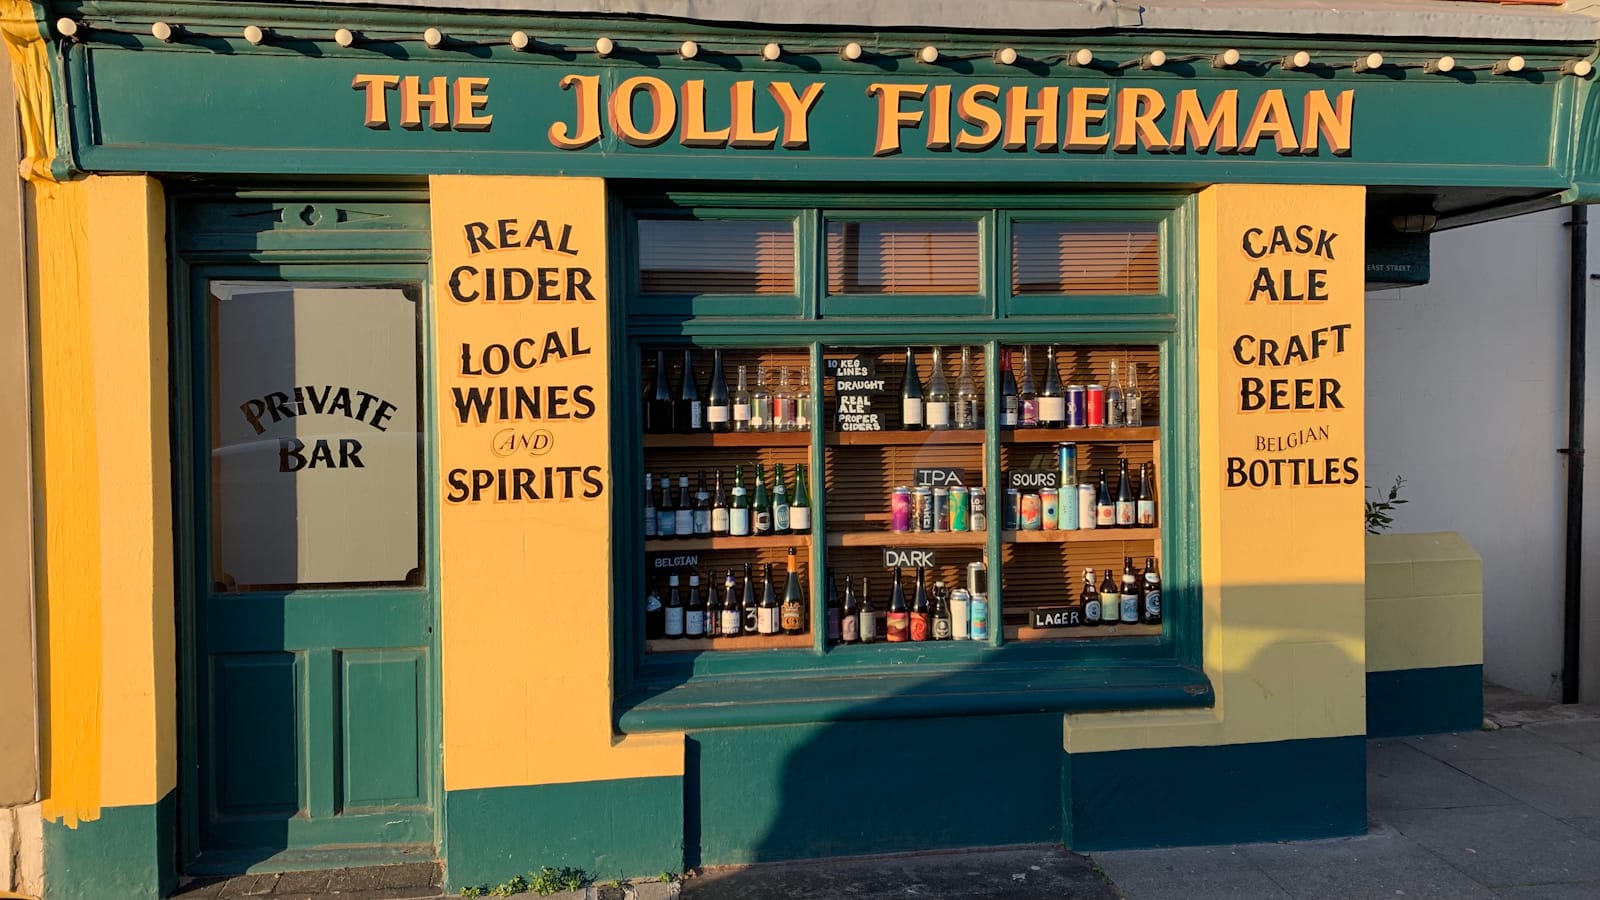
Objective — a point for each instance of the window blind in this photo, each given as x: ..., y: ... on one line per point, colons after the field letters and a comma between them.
x: 903, y: 258
x: 688, y: 256
x: 1085, y: 258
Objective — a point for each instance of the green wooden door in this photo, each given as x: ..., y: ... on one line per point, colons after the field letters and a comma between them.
x: 309, y: 685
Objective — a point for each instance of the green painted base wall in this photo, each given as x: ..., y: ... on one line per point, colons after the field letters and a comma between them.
x: 610, y: 829
x: 129, y: 853
x: 1424, y: 701
x: 794, y: 792
x: 1180, y: 796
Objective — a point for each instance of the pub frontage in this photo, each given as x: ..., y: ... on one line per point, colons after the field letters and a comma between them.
x: 638, y: 442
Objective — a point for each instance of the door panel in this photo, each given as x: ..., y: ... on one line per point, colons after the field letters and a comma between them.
x: 383, y: 711
x: 255, y: 769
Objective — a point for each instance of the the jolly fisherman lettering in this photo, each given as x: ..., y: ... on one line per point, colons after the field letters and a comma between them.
x: 318, y: 399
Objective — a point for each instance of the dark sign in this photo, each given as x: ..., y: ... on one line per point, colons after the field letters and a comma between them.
x: 1057, y: 617
x: 1033, y: 479
x: 909, y: 559
x: 941, y: 477
x: 862, y: 394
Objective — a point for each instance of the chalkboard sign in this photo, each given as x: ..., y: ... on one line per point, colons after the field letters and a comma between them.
x: 940, y: 477
x: 1057, y: 617
x: 1033, y: 479
x: 908, y: 558
x: 863, y: 395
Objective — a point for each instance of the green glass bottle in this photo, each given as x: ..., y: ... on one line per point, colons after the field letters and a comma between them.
x: 800, y: 505
x: 761, y: 509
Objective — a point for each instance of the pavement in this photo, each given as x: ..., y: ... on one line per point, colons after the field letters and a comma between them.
x: 1511, y: 811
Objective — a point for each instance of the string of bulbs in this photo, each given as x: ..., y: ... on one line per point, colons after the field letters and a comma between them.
x: 605, y: 47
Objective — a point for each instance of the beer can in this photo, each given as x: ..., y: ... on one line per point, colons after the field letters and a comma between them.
x: 1069, y: 515
x: 1067, y: 456
x: 900, y: 510
x: 941, y: 509
x: 1086, y: 511
x: 1077, y: 415
x: 922, y: 508
x: 980, y: 618
x: 1008, y: 514
x: 980, y: 504
x: 1029, y: 517
x: 960, y: 508
x: 1049, y: 508
x: 1096, y: 415
x: 960, y: 614
x: 977, y: 578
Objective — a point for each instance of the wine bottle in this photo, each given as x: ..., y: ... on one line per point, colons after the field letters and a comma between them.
x: 783, y: 403
x: 694, y: 611
x: 850, y: 621
x: 780, y: 502
x: 1027, y: 397
x: 732, y: 618
x: 802, y: 401
x: 684, y: 525
x: 1127, y: 506
x: 1091, y: 599
x: 1010, y: 403
x: 1129, y: 598
x: 941, y: 613
x: 750, y: 612
x: 742, y: 406
x: 868, y: 615
x: 1133, y: 399
x: 768, y: 613
x: 655, y: 612
x: 1145, y: 507
x: 1053, y: 399
x: 713, y: 606
x: 761, y: 506
x: 911, y: 403
x: 967, y: 403
x: 666, y: 514
x: 899, y: 615
x: 1116, y: 403
x: 833, y: 611
x: 921, y: 614
x: 649, y: 507
x: 792, y: 613
x: 1150, y: 607
x: 739, y: 507
x: 761, y: 403
x: 800, y: 506
x: 702, y: 507
x: 1105, y: 509
x: 674, y: 626
x: 719, y: 405
x: 658, y: 407
x: 939, y: 401
x: 721, y: 510
x: 689, y: 413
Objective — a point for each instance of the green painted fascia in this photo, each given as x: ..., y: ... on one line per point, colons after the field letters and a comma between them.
x: 628, y: 827
x: 129, y: 852
x: 1229, y: 794
x: 1424, y: 701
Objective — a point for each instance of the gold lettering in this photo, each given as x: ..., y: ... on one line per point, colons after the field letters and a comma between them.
x: 742, y: 99
x: 939, y: 117
x: 986, y: 117
x: 1271, y: 116
x: 695, y: 133
x: 1080, y: 117
x: 1045, y: 119
x: 469, y: 96
x: 1190, y: 124
x: 1328, y: 120
x: 796, y: 110
x: 376, y: 87
x: 663, y: 111
x: 1137, y: 111
x: 586, y: 90
x: 891, y: 118
x: 413, y: 98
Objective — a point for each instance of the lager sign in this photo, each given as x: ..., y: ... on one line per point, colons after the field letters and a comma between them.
x: 1057, y: 617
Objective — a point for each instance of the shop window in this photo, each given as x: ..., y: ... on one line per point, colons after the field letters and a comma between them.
x: 689, y: 256
x: 1092, y: 258
x: 872, y: 258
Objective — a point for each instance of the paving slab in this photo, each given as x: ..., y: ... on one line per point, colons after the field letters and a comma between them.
x: 1579, y: 731
x: 1032, y: 873
x: 1589, y: 825
x: 1503, y: 846
x: 1565, y: 785
x: 1381, y: 864
x: 1591, y: 750
x: 1189, y: 873
x: 1504, y: 743
x: 1587, y: 890
x: 1399, y: 776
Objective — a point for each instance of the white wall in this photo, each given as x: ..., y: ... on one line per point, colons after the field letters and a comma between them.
x: 1466, y: 382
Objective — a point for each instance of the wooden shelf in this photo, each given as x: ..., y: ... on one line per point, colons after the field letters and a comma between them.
x: 901, y: 438
x: 727, y: 543
x: 743, y: 642
x: 711, y: 440
x: 1082, y: 632
x: 1079, y: 435
x: 907, y: 539
x: 1090, y: 535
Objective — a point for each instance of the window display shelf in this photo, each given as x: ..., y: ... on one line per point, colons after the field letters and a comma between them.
x: 901, y: 438
x: 907, y: 539
x: 1082, y: 632
x: 703, y: 440
x: 1089, y: 535
x: 743, y: 642
x: 1079, y: 435
x: 676, y: 545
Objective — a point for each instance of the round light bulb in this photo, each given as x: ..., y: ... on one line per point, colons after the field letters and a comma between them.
x: 1443, y: 65
x: 771, y: 51
x: 67, y: 27
x: 1155, y: 59
x: 1578, y: 67
x: 928, y: 54
x: 1006, y: 56
x: 161, y: 31
x: 1297, y: 60
x: 603, y: 47
x: 255, y: 35
x: 1082, y: 58
x: 520, y: 40
x: 1227, y: 59
x: 1373, y: 61
x: 851, y: 52
x: 688, y: 49
x: 433, y: 37
x: 344, y: 37
x: 1516, y: 64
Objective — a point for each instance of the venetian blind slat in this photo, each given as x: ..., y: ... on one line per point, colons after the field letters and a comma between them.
x: 1085, y: 258
x: 685, y: 256
x: 903, y: 258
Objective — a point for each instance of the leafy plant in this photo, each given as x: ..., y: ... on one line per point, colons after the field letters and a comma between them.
x: 667, y: 878
x: 548, y: 881
x: 516, y: 885
x: 472, y: 891
x: 1380, y: 516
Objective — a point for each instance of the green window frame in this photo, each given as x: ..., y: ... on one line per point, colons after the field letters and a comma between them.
x: 732, y: 305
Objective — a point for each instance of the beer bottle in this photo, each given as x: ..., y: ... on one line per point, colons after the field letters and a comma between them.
x: 732, y: 616
x: 941, y: 613
x: 1027, y: 397
x: 850, y: 622
x: 1150, y: 608
x: 1105, y: 510
x: 780, y: 502
x: 768, y: 613
x: 1116, y: 403
x: 655, y: 613
x: 1053, y: 399
x: 719, y: 406
x: 793, y: 612
x: 742, y: 407
x: 684, y: 526
x: 911, y: 404
x: 1146, y: 505
x: 748, y: 609
x: 694, y: 612
x: 674, y: 628
x: 1091, y: 599
x: 1109, y: 598
x: 1010, y: 405
x: 649, y: 507
x: 666, y: 515
x: 835, y: 624
x: 721, y: 510
x: 802, y: 401
x: 1133, y: 399
x: 800, y: 506
x: 939, y: 400
x: 868, y: 615
x: 689, y: 413
x: 739, y: 507
x: 783, y: 415
x: 1126, y: 508
x: 658, y: 407
x: 713, y: 606
x: 761, y: 508
x: 967, y: 402
x: 921, y: 615
x: 899, y: 616
x: 1129, y: 598
x: 761, y: 403
x: 702, y: 507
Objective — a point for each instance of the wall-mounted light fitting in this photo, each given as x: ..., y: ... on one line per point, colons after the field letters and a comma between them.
x: 928, y: 54
x: 1415, y: 223
x: 164, y: 32
x: 344, y: 37
x: 1511, y: 65
x: 1006, y: 56
x: 1444, y: 65
x: 255, y: 34
x: 604, y: 47
x: 434, y: 38
x: 520, y: 40
x: 1578, y: 68
x: 1296, y: 60
x: 1155, y: 59
x: 1369, y: 62
x: 688, y: 50
x: 850, y: 52
x: 1081, y: 58
x: 1227, y: 59
x: 69, y: 28
x: 772, y: 51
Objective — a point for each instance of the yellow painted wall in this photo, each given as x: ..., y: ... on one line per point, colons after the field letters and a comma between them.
x: 1424, y: 602
x: 525, y: 585
x: 97, y: 268
x: 1282, y: 567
